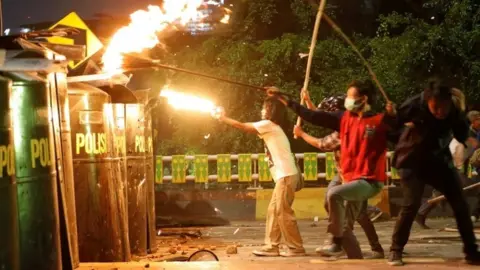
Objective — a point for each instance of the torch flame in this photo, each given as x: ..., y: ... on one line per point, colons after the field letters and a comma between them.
x: 183, y: 101
x: 225, y: 19
x: 142, y: 31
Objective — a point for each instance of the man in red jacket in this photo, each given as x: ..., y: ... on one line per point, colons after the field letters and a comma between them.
x: 363, y: 153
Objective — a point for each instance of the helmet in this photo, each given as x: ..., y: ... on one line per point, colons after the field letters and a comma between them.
x: 332, y: 104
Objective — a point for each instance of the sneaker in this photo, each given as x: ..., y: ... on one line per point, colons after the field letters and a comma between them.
x: 332, y: 250
x: 376, y: 255
x: 293, y: 252
x: 267, y: 251
x: 420, y: 219
x: 395, y: 259
x: 473, y: 259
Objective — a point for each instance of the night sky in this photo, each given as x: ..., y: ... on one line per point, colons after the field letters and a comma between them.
x: 17, y: 12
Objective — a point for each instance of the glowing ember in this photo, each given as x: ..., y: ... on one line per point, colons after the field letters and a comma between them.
x: 225, y: 19
x: 183, y: 101
x: 144, y: 26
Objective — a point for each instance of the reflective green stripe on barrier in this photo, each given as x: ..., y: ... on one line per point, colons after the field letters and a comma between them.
x: 201, y: 168
x: 178, y: 169
x: 245, y: 167
x: 310, y: 166
x: 224, y: 168
x: 330, y: 168
x: 263, y: 169
x: 158, y: 170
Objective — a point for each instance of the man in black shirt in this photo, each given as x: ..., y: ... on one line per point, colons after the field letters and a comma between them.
x: 423, y: 157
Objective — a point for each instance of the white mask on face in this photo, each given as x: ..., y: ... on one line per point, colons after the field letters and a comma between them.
x: 351, y: 105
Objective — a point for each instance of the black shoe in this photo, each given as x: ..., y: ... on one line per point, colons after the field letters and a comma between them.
x: 473, y: 259
x: 420, y: 219
x: 395, y: 259
x: 332, y: 250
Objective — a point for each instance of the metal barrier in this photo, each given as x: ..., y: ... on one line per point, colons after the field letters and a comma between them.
x: 252, y: 168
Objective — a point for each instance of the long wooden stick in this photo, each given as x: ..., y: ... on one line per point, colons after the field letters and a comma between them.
x: 357, y: 51
x: 155, y: 63
x: 442, y: 197
x: 313, y: 43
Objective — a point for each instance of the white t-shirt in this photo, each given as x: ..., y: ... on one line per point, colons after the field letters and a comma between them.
x: 458, y: 153
x: 279, y: 147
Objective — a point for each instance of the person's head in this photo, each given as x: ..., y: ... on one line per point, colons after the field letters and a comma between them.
x: 332, y: 104
x: 360, y: 94
x: 274, y: 111
x: 474, y: 118
x: 438, y: 96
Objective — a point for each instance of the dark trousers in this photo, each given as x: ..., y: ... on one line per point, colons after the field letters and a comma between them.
x: 444, y: 179
x: 426, y: 207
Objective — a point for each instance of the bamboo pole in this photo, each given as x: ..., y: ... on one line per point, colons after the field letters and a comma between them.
x: 313, y: 43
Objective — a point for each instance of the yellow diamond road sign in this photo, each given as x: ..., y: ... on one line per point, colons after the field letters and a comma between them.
x: 85, y: 37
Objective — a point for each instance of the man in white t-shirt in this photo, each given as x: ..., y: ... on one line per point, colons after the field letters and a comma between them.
x: 280, y: 215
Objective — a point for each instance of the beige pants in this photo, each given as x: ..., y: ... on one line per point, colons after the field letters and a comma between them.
x: 281, y: 217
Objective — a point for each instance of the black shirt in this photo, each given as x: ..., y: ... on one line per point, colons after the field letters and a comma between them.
x: 428, y: 138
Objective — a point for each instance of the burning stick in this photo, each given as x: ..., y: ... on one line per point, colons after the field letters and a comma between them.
x: 156, y: 63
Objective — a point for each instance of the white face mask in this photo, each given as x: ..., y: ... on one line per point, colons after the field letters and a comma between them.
x: 351, y: 105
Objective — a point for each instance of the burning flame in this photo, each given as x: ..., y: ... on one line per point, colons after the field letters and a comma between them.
x: 225, y: 19
x: 183, y: 101
x: 144, y: 26
x: 142, y: 31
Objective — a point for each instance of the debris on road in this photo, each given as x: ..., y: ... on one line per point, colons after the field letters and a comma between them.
x: 232, y: 250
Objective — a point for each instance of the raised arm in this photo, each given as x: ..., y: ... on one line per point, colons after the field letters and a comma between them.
x: 308, y: 101
x: 246, y: 127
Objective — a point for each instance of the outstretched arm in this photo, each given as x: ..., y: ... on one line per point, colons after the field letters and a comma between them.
x: 319, y: 118
x: 246, y: 127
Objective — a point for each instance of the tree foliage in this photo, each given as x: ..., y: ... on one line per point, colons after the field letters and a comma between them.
x: 405, y: 48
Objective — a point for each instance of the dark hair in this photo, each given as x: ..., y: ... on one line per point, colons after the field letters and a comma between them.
x: 438, y: 89
x: 332, y: 104
x: 365, y: 88
x: 277, y: 112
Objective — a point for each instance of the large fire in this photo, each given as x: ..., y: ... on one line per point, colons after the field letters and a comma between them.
x: 183, y: 101
x: 144, y: 27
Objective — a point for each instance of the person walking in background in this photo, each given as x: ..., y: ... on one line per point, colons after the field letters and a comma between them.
x: 280, y: 215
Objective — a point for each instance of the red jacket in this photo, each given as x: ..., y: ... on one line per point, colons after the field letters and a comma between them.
x: 363, y: 140
x: 363, y: 147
